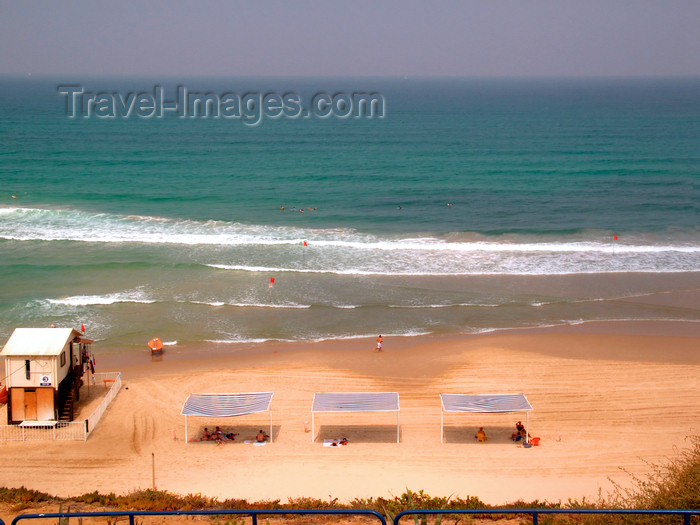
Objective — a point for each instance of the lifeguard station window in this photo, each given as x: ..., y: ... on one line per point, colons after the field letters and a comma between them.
x: 27, y: 368
x: 63, y: 359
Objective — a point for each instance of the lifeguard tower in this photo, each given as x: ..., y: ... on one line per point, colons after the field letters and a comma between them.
x: 44, y: 368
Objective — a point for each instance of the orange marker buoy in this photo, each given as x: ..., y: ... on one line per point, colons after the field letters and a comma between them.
x: 156, y: 345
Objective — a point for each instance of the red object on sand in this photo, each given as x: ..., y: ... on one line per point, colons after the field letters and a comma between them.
x: 155, y: 344
x: 615, y: 237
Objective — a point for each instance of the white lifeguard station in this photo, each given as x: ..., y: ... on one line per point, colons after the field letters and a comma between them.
x: 44, y: 369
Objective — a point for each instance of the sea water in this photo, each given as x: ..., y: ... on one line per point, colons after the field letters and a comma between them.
x: 471, y: 205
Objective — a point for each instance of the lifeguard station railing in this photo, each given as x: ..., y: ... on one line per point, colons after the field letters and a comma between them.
x: 683, y: 515
x: 112, y: 381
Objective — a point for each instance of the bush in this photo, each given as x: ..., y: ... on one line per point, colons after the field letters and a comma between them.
x: 674, y: 485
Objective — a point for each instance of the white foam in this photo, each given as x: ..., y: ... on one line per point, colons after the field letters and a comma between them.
x: 270, y: 305
x: 88, y: 300
x: 258, y: 248
x: 444, y: 305
x: 244, y: 340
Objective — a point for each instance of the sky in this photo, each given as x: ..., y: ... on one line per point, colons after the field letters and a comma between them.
x: 311, y: 38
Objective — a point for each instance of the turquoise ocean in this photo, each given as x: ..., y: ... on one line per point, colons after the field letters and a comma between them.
x: 473, y: 205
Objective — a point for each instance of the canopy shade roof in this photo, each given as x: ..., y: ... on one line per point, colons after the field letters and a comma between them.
x: 355, y: 402
x: 226, y: 405
x: 485, y: 403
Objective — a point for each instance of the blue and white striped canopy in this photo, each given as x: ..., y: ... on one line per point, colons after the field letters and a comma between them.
x: 355, y: 402
x: 485, y: 403
x: 226, y: 405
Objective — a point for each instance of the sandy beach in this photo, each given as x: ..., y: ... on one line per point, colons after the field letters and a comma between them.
x: 604, y: 400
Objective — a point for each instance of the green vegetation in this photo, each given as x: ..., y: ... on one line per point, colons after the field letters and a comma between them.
x: 673, y: 485
x: 21, y: 498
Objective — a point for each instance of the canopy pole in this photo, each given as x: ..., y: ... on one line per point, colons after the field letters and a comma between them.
x: 527, y: 427
x: 442, y: 428
x: 313, y: 427
x: 186, y: 431
x: 270, y: 425
x: 397, y: 426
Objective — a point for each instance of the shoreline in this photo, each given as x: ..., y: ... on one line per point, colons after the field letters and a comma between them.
x: 199, y: 351
x: 207, y: 310
x: 602, y: 402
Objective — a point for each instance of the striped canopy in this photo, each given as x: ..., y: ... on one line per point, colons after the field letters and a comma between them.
x: 485, y: 403
x: 355, y: 402
x: 226, y: 405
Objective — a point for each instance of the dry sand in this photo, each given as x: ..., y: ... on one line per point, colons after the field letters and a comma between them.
x: 616, y: 400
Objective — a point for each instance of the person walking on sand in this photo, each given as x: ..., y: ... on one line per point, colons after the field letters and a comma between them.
x: 379, y: 344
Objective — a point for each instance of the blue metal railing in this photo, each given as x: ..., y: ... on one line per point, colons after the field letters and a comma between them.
x: 132, y: 514
x: 534, y: 513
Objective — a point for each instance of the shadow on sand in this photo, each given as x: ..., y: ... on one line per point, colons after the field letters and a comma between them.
x: 357, y: 433
x: 494, y: 434
x: 244, y: 433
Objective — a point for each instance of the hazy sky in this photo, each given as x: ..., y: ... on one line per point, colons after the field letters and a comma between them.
x: 351, y: 38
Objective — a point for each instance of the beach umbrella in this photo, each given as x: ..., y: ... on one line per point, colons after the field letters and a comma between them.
x: 155, y: 344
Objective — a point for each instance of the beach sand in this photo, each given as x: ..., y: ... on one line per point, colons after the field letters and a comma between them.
x: 604, y: 399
